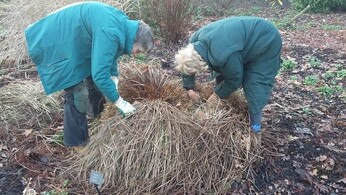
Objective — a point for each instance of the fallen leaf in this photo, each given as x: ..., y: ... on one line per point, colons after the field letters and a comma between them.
x: 27, y: 132
x: 329, y: 164
x: 321, y: 158
x: 324, y: 176
x: 342, y: 181
x: 292, y: 138
x: 314, y: 172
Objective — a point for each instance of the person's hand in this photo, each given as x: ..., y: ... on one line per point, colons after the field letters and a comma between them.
x: 125, y: 108
x: 115, y: 80
x: 193, y: 95
x: 214, y: 99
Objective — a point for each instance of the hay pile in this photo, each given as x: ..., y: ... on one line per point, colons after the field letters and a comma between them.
x: 165, y: 149
x: 25, y: 105
x: 15, y: 16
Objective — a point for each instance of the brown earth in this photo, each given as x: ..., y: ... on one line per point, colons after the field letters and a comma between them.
x: 310, y: 127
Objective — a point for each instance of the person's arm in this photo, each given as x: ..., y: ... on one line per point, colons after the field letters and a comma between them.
x: 188, y: 81
x: 232, y: 72
x: 104, y: 49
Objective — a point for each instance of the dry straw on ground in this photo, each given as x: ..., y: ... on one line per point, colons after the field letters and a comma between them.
x: 25, y: 105
x: 16, y: 15
x: 163, y: 148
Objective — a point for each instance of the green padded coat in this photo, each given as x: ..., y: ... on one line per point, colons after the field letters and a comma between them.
x: 80, y: 40
x: 246, y: 51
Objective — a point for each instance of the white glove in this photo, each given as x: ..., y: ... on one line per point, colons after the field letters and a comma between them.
x: 124, y: 107
x: 115, y: 80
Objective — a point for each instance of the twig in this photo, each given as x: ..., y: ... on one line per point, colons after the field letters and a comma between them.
x: 299, y: 14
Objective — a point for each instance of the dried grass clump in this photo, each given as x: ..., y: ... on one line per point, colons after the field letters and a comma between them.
x: 166, y: 147
x: 161, y: 149
x: 15, y: 16
x: 145, y: 82
x: 24, y: 104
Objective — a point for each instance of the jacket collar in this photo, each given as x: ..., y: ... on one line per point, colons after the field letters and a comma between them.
x: 131, y: 31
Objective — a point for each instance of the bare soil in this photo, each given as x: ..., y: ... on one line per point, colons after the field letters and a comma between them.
x: 310, y: 128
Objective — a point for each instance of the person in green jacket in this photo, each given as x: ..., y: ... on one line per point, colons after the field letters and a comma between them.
x: 243, y: 51
x: 75, y: 49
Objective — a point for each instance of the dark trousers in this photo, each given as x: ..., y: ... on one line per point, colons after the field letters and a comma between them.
x: 79, y: 100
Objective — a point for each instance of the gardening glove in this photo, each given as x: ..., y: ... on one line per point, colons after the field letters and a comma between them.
x: 193, y: 95
x: 125, y: 108
x: 115, y: 80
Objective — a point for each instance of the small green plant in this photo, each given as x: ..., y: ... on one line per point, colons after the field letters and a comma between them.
x: 341, y: 73
x: 307, y: 111
x: 338, y: 89
x: 329, y: 91
x: 326, y: 90
x: 141, y: 57
x: 328, y: 75
x: 333, y: 27
x: 288, y: 65
x: 54, y: 192
x: 256, y: 9
x: 339, y: 66
x: 314, y: 62
x: 321, y: 5
x: 293, y: 78
x: 58, y: 138
x: 310, y: 80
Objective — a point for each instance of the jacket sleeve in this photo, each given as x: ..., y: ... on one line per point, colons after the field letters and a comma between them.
x: 232, y: 72
x: 188, y: 81
x: 104, y: 49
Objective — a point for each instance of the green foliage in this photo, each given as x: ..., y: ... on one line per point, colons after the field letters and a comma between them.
x: 328, y: 75
x: 141, y: 57
x: 293, y: 78
x: 314, y: 62
x: 341, y: 73
x: 333, y: 27
x: 288, y: 65
x: 321, y: 5
x: 307, y: 111
x: 171, y: 17
x: 310, y: 80
x: 58, y: 138
x: 329, y: 91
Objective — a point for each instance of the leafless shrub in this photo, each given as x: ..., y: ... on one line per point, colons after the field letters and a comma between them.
x: 173, y: 17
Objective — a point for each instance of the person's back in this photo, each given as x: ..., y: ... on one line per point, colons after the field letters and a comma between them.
x: 61, y: 43
x: 76, y: 49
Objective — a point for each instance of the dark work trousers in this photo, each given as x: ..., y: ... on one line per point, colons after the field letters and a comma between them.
x: 254, y: 118
x: 80, y: 99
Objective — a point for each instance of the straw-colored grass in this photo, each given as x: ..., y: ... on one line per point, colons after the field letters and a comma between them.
x: 160, y: 149
x: 23, y: 104
x: 164, y: 148
x: 15, y: 16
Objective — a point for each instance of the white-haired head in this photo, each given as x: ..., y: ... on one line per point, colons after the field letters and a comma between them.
x: 189, y: 62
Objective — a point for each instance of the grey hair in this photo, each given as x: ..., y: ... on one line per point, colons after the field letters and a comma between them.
x: 144, y: 37
x: 189, y: 62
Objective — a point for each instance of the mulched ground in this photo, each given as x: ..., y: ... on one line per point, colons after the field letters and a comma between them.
x: 310, y: 127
